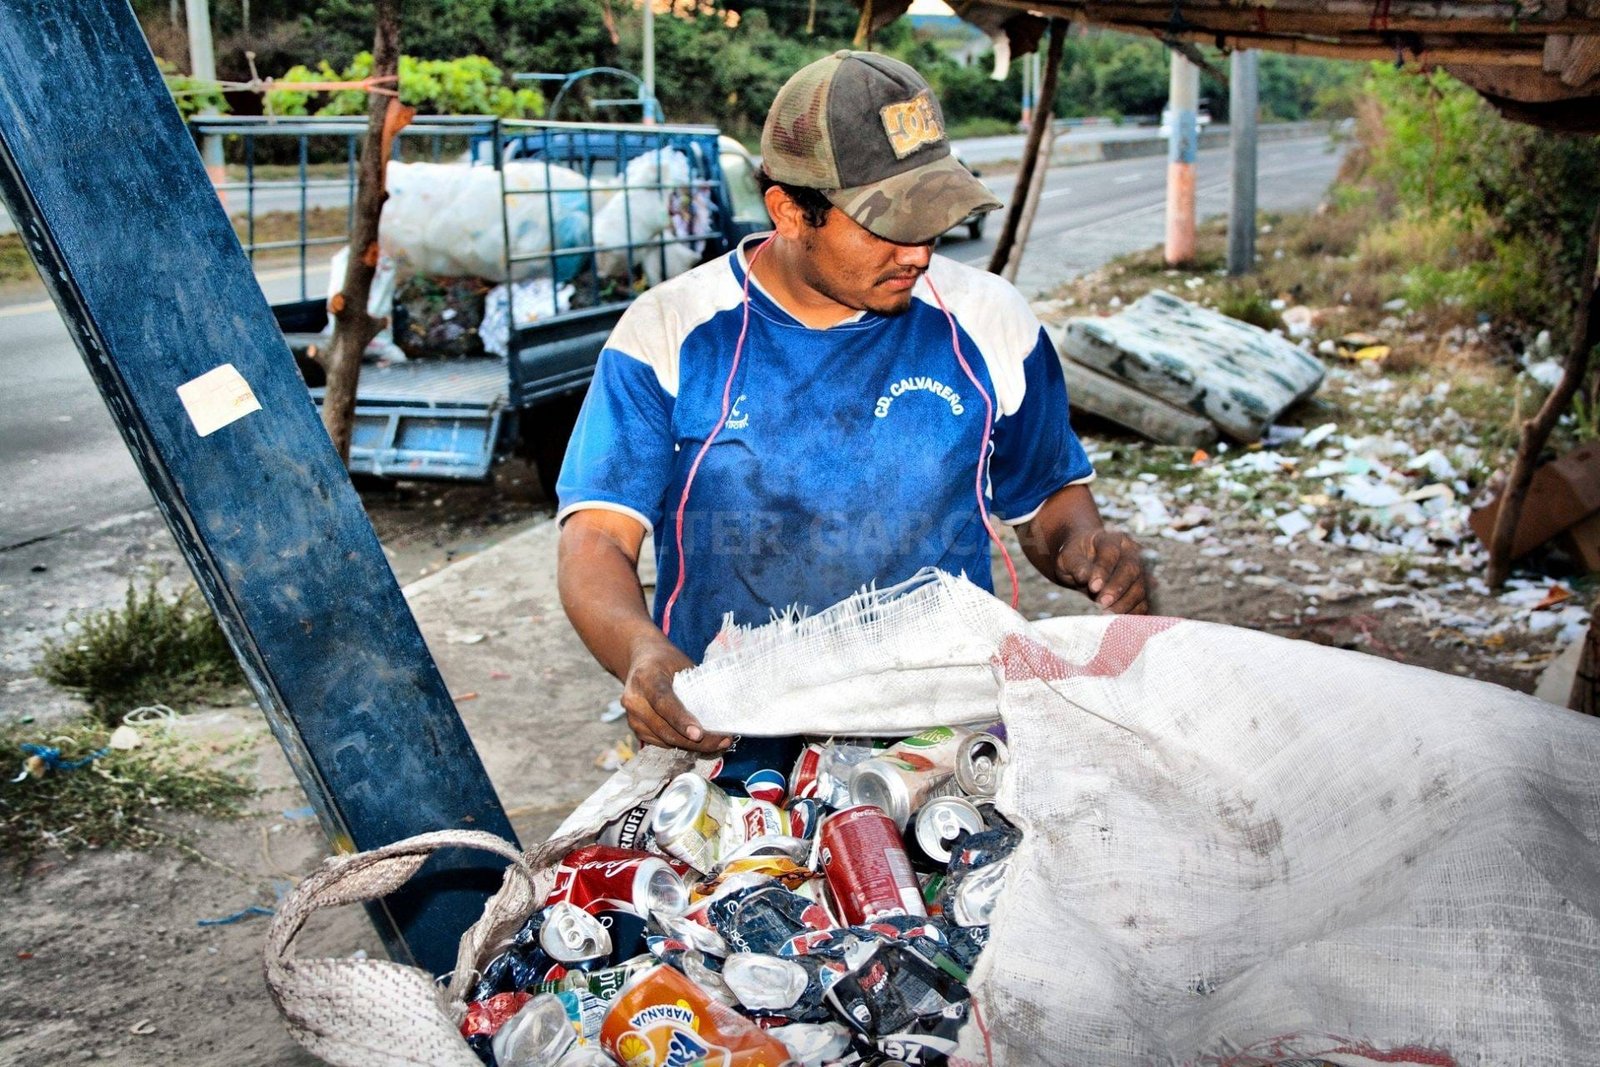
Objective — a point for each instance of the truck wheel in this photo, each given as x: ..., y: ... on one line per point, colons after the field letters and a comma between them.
x: 975, y: 227
x: 546, y: 430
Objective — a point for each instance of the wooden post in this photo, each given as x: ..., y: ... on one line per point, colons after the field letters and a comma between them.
x: 1183, y: 146
x: 1536, y: 431
x: 1007, y: 246
x: 354, y: 328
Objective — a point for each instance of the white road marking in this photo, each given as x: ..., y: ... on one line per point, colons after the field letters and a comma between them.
x: 1126, y: 178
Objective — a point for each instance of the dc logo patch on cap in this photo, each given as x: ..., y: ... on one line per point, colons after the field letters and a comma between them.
x: 911, y: 124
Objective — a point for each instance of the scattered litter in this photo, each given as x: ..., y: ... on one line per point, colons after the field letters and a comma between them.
x: 1315, y: 437
x: 1368, y: 354
x: 300, y: 814
x: 1292, y: 523
x: 42, y: 759
x: 238, y: 916
x: 462, y: 637
x: 1200, y: 458
x: 143, y: 1028
x: 24, y: 955
x: 464, y: 697
x: 613, y: 712
x: 1547, y: 372
x: 614, y: 757
x: 499, y: 675
x: 1299, y: 321
x: 125, y: 738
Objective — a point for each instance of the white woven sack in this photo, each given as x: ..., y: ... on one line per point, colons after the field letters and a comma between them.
x: 1239, y: 849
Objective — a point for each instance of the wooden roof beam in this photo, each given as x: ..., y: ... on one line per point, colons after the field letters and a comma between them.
x: 1304, y: 17
x: 1426, y: 50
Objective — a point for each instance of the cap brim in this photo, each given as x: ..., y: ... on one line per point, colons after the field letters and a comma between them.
x: 917, y: 206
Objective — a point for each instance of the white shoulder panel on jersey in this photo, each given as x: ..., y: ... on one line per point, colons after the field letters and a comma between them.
x: 653, y: 328
x: 994, y: 314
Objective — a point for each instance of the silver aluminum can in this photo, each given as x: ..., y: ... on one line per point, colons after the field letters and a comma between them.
x: 570, y: 934
x: 978, y: 892
x: 942, y: 821
x: 688, y: 821
x: 898, y: 787
x: 979, y: 761
x: 764, y: 983
x: 631, y: 831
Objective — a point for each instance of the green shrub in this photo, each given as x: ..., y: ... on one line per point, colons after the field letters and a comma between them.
x: 470, y: 85
x: 153, y: 650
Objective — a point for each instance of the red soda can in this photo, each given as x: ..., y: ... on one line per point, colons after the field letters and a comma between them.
x: 601, y: 878
x: 866, y: 867
x: 803, y: 780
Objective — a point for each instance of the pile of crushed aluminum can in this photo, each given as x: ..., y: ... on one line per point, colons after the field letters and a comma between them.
x: 751, y: 919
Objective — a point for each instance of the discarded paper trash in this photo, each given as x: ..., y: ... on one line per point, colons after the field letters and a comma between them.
x: 1564, y: 493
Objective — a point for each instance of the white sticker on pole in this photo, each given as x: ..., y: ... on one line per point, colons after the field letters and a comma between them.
x: 217, y: 398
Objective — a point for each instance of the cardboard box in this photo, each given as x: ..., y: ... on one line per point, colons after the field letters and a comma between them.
x: 1564, y: 493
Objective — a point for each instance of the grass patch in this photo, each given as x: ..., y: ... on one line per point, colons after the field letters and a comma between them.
x: 116, y: 801
x: 15, y: 263
x: 152, y: 650
x: 981, y: 127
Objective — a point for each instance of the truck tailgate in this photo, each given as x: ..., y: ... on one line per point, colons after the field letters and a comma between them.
x: 428, y: 418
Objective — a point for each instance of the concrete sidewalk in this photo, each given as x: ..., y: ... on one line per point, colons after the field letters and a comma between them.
x: 528, y: 691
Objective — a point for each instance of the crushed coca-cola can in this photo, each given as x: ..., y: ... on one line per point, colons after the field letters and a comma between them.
x: 600, y: 878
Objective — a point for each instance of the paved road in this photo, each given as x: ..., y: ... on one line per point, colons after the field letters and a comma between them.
x: 65, y: 467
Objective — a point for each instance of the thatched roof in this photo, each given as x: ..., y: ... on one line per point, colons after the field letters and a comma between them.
x: 1536, y: 60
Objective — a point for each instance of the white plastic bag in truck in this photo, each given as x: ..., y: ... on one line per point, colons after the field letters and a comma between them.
x: 1239, y: 849
x: 444, y: 219
x: 655, y: 203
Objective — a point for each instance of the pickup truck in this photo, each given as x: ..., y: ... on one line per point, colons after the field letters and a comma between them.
x: 453, y: 418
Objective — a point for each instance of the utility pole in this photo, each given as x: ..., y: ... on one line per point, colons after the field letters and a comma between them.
x: 1183, y: 145
x: 203, y: 65
x: 1244, y: 101
x: 649, y: 63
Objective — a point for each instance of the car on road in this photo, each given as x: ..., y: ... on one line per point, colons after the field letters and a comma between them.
x: 973, y: 224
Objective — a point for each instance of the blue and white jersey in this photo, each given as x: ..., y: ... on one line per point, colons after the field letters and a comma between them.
x: 849, y: 456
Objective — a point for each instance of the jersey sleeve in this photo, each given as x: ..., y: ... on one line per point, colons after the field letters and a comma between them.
x: 620, y: 455
x: 1035, y: 451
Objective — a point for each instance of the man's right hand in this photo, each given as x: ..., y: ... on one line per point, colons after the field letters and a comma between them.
x: 656, y: 714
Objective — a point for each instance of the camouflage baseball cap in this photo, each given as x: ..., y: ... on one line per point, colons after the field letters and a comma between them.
x: 866, y: 131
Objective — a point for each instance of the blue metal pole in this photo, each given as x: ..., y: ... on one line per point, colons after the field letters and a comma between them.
x: 143, y: 263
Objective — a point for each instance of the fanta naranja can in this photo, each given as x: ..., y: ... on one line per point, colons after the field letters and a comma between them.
x: 662, y: 1019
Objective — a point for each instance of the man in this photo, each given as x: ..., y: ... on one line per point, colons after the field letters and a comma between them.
x: 807, y: 415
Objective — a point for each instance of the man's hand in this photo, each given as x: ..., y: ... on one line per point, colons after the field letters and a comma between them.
x: 598, y: 576
x: 1105, y: 564
x: 1069, y: 544
x: 656, y: 714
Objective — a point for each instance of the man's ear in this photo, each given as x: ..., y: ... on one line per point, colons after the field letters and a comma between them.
x: 787, y: 217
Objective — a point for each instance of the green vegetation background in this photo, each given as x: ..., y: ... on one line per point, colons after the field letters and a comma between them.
x: 707, y: 70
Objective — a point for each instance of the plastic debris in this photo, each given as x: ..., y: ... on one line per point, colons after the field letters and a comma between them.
x: 238, y: 916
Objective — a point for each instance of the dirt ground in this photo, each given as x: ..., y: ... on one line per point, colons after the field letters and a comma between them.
x: 101, y: 955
